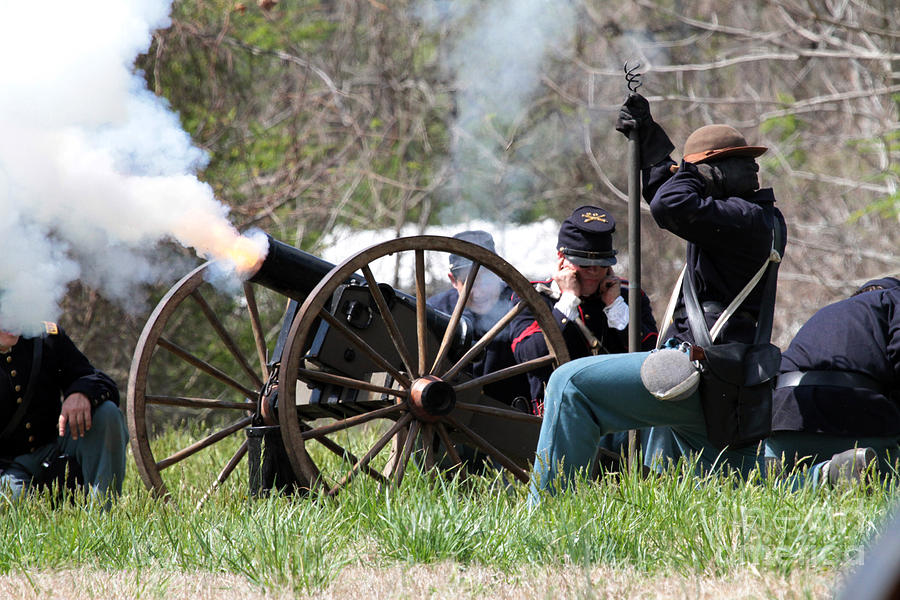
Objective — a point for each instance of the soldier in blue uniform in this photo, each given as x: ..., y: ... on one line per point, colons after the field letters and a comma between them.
x: 489, y: 300
x: 838, y: 394
x: 54, y: 402
x: 588, y: 301
x: 713, y: 201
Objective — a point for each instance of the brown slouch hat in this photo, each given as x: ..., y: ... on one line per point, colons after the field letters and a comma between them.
x: 718, y: 141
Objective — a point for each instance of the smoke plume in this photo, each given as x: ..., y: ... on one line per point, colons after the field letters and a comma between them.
x: 495, y: 51
x: 95, y: 170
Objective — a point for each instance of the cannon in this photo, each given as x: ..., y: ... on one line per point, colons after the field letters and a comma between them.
x: 368, y: 378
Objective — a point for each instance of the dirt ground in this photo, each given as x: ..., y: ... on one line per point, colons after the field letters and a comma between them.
x: 418, y: 581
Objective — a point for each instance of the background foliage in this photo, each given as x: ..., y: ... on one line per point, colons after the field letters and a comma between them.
x: 347, y: 112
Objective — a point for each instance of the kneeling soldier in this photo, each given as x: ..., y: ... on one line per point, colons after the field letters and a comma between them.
x: 835, y: 405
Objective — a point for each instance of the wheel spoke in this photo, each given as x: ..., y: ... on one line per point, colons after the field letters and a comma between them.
x: 349, y: 456
x: 461, y: 301
x: 396, y: 450
x: 350, y: 422
x: 316, y: 480
x: 449, y: 446
x: 225, y: 472
x: 205, y: 367
x: 364, y: 461
x: 202, y: 403
x: 489, y: 449
x: 349, y: 382
x: 389, y: 322
x: 226, y: 338
x: 365, y: 347
x: 259, y: 338
x: 504, y: 373
x: 421, y: 325
x: 428, y: 440
x: 204, y: 443
x: 513, y: 415
x: 486, y: 339
x: 407, y: 450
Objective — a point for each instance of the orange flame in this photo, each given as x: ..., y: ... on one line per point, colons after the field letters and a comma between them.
x: 247, y: 255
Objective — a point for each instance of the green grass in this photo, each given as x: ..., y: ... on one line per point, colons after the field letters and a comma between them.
x: 673, y: 523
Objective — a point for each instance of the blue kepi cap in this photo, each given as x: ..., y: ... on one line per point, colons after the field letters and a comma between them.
x: 585, y: 238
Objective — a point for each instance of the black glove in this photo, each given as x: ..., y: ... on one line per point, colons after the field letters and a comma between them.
x: 634, y: 115
x: 714, y: 179
x: 730, y: 176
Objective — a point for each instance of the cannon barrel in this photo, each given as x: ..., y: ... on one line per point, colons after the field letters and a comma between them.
x: 291, y: 271
x: 295, y: 273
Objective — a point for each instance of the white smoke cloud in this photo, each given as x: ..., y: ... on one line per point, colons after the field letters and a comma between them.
x: 94, y: 168
x: 496, y: 62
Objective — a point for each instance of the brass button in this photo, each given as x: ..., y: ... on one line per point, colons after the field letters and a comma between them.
x: 31, y: 439
x: 18, y: 401
x: 564, y: 320
x: 27, y: 425
x: 12, y: 373
x: 9, y: 359
x: 32, y: 449
x: 18, y: 388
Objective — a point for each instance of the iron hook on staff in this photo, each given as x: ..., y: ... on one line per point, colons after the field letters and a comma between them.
x: 632, y: 77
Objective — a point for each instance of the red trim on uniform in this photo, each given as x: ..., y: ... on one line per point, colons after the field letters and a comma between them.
x: 529, y: 331
x: 648, y: 336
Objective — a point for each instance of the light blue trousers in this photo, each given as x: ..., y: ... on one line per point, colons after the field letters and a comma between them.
x: 588, y: 398
x: 100, y: 452
x: 591, y: 397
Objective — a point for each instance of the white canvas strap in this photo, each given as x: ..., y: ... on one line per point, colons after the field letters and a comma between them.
x: 774, y: 256
x: 739, y: 299
x: 669, y: 316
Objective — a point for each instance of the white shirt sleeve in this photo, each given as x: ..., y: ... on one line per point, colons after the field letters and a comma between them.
x: 617, y: 314
x: 568, y: 305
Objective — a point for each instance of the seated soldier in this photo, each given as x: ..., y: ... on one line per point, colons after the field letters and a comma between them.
x: 590, y: 304
x: 588, y: 300
x: 838, y: 391
x: 489, y: 300
x: 53, y: 402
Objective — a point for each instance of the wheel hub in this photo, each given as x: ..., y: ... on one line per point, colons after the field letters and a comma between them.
x: 430, y: 398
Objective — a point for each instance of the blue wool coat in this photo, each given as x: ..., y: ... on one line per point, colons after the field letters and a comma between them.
x: 860, y: 334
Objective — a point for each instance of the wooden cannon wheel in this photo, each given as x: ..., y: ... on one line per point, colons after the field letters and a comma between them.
x: 430, y: 403
x: 193, y: 387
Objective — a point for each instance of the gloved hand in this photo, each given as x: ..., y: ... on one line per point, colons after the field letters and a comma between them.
x: 634, y: 116
x: 714, y: 179
x: 730, y: 176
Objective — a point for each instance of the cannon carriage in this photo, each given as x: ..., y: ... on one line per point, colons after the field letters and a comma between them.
x: 343, y: 374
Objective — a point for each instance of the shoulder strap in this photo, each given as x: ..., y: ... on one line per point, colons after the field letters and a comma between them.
x: 704, y: 336
x: 668, y: 317
x: 29, y: 390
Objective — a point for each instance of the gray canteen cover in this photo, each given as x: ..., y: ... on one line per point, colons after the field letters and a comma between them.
x: 669, y: 374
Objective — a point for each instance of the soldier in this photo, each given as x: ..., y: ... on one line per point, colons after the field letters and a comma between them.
x: 838, y: 391
x: 53, y: 402
x: 587, y: 299
x: 489, y: 300
x: 712, y: 201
